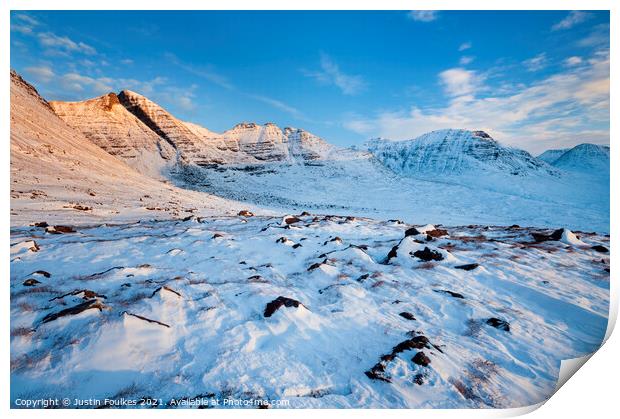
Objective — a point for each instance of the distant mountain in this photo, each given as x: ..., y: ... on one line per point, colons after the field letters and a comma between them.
x: 551, y: 156
x: 586, y: 158
x: 455, y: 151
x: 150, y: 139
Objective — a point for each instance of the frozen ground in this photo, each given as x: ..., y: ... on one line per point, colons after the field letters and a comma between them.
x: 172, y: 309
x: 357, y: 184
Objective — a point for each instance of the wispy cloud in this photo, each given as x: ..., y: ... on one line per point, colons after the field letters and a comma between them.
x: 573, y: 18
x: 279, y: 105
x: 466, y: 59
x: 572, y: 61
x: 423, y: 15
x: 63, y: 45
x: 565, y: 108
x: 536, y: 63
x: 40, y: 73
x: 331, y: 74
x: 202, y: 72
x: 23, y: 23
x: 460, y: 82
x: 464, y: 46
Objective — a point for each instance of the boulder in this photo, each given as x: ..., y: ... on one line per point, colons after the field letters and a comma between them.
x: 467, y: 267
x: 498, y: 324
x: 406, y: 315
x: 421, y: 359
x: 274, y: 305
x: 427, y: 255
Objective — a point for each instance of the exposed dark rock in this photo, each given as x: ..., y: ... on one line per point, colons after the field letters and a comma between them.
x: 392, y: 254
x: 245, y: 213
x: 304, y: 214
x: 31, y: 282
x: 86, y: 294
x: 159, y: 289
x: 41, y: 224
x: 411, y: 232
x: 499, y: 324
x: 315, y: 266
x: 601, y: 249
x: 282, y: 240
x: 555, y: 236
x: 42, y: 273
x: 335, y: 239
x: 388, y: 357
x: 450, y: 293
x: 416, y: 342
x: 467, y: 267
x: 427, y: 255
x: 86, y: 305
x: 377, y: 372
x: 407, y: 315
x: 514, y: 226
x: 419, y: 379
x: 438, y: 232
x: 291, y: 220
x: 421, y: 359
x: 296, y: 245
x: 146, y: 319
x: 59, y: 229
x: 363, y: 277
x: 274, y: 305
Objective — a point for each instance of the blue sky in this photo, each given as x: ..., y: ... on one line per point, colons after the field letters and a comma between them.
x: 534, y: 80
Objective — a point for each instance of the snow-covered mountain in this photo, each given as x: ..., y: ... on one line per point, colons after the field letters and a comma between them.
x: 455, y: 152
x: 551, y: 156
x: 587, y: 158
x: 57, y: 173
x: 150, y: 139
x: 107, y: 123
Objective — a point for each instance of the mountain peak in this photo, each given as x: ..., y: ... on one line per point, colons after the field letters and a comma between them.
x: 454, y: 151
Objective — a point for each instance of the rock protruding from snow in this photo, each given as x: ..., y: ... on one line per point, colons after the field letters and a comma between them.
x: 454, y: 151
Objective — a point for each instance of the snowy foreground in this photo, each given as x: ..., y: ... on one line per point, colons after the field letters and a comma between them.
x: 174, y: 311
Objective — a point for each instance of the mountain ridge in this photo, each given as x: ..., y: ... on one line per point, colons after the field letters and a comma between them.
x: 181, y: 142
x: 455, y: 152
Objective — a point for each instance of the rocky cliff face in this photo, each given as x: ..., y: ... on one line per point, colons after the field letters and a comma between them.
x: 107, y: 123
x: 454, y: 151
x: 189, y: 146
x: 57, y: 173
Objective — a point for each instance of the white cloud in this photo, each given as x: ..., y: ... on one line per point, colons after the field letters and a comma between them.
x: 423, y: 15
x: 27, y: 19
x: 331, y: 74
x: 573, y: 18
x: 459, y: 81
x: 41, y: 73
x: 56, y: 44
x: 127, y: 61
x: 536, y: 63
x: 573, y: 61
x: 566, y: 108
x: 466, y: 59
x: 464, y: 46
